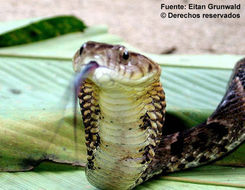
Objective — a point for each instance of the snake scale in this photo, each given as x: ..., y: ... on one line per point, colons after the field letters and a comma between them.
x: 123, y: 109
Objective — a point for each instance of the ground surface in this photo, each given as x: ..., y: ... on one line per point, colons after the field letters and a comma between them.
x: 139, y: 23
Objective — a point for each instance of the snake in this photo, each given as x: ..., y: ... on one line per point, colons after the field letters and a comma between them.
x: 123, y: 108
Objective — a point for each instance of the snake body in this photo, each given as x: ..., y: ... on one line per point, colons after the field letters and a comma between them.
x: 123, y: 108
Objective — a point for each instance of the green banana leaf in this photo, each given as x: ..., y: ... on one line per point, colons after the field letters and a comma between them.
x: 32, y: 30
x: 57, y: 176
x: 33, y: 82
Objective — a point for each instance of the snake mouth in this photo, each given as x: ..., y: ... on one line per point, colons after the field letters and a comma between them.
x: 102, y: 76
x: 93, y: 70
x: 85, y: 72
x: 108, y: 77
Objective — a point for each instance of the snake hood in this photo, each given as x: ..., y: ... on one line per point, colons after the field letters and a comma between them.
x: 123, y: 109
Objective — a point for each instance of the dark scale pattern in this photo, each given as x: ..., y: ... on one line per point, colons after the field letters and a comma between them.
x: 240, y: 71
x: 203, y: 159
x: 214, y: 137
x: 177, y: 146
x: 218, y: 129
x: 90, y: 111
x: 158, y: 101
x: 190, y: 159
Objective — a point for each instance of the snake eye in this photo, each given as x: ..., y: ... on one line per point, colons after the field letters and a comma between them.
x: 81, y: 49
x: 125, y: 55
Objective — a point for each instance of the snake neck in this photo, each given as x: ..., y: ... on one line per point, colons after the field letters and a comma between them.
x: 221, y: 133
x: 123, y: 131
x: 123, y: 127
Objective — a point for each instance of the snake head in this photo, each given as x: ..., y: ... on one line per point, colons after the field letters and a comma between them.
x: 116, y: 65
